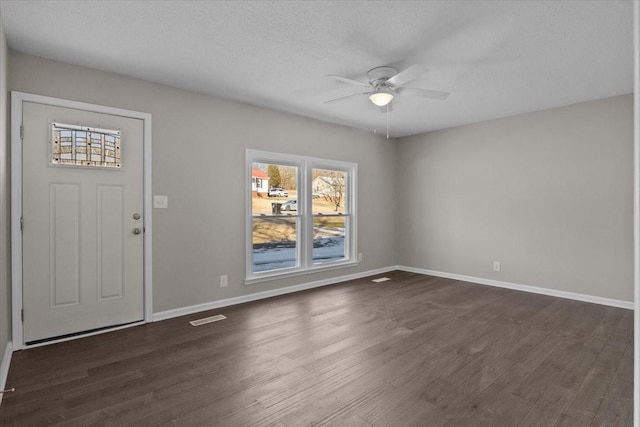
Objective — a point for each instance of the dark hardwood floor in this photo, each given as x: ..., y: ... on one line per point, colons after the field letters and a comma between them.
x: 416, y: 350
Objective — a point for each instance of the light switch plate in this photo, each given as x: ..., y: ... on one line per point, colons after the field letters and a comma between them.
x: 160, y: 202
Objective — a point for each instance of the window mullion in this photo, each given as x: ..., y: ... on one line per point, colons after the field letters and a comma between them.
x: 307, y: 217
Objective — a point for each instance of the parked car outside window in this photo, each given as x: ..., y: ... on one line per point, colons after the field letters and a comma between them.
x: 291, y: 205
x: 277, y: 192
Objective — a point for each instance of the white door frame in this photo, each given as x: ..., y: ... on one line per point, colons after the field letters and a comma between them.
x: 636, y: 212
x: 17, y: 98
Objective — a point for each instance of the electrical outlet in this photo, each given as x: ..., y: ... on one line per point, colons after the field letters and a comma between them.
x: 359, y: 256
x: 224, y: 281
x: 496, y: 265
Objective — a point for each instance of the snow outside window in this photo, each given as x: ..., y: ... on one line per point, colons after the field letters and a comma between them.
x: 306, y: 221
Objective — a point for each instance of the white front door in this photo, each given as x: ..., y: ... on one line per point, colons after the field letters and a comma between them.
x: 82, y: 239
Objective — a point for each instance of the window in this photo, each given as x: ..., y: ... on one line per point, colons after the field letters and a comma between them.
x: 85, y: 146
x: 305, y: 222
x: 328, y: 208
x: 274, y: 232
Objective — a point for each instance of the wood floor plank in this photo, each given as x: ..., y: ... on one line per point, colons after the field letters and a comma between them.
x: 567, y: 421
x: 413, y: 351
x: 593, y: 389
x: 492, y: 407
x: 614, y: 413
x: 548, y: 410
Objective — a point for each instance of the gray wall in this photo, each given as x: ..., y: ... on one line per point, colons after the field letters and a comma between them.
x: 549, y: 194
x: 199, y: 145
x: 5, y: 219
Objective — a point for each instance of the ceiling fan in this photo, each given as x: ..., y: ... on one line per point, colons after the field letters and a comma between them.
x: 386, y: 82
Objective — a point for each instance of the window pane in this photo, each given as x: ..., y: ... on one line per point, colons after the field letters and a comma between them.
x: 328, y: 239
x: 273, y: 189
x: 274, y: 243
x: 70, y: 146
x: 329, y: 191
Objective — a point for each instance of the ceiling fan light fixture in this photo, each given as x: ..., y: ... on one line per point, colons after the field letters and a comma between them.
x: 381, y: 96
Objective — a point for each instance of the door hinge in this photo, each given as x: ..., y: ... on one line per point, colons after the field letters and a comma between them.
x: 21, y: 223
x: 21, y: 131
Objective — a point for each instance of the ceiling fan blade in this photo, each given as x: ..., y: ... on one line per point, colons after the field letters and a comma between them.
x: 349, y: 81
x: 345, y: 97
x: 410, y: 73
x: 423, y: 93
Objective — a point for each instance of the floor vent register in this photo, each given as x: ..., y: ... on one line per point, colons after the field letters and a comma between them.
x: 206, y: 320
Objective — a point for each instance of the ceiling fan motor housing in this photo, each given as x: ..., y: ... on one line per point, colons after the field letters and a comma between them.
x: 378, y: 76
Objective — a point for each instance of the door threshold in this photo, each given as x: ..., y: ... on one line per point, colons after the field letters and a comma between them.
x: 82, y: 334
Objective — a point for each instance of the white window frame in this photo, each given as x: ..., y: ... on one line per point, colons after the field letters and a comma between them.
x: 304, y: 231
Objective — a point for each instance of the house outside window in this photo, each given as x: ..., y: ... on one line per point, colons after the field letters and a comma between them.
x: 259, y: 182
x: 310, y: 226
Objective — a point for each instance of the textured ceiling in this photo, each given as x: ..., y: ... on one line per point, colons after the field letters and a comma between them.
x: 496, y: 58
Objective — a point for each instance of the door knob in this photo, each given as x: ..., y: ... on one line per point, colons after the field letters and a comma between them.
x: 137, y: 230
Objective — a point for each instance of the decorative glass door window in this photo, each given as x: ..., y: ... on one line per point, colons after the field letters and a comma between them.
x: 85, y: 146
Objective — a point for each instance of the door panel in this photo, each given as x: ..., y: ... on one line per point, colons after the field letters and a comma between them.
x: 64, y: 242
x: 82, y: 264
x: 110, y: 241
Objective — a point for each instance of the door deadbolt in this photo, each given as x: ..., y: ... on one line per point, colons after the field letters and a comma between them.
x: 136, y: 216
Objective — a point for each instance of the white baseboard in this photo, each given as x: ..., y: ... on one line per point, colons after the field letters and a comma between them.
x: 525, y: 288
x: 4, y: 368
x: 162, y: 315
x: 183, y: 311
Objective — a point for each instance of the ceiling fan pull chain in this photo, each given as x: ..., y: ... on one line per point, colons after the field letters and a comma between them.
x: 387, y: 121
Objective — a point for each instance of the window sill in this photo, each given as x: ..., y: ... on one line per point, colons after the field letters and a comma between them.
x: 275, y: 276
